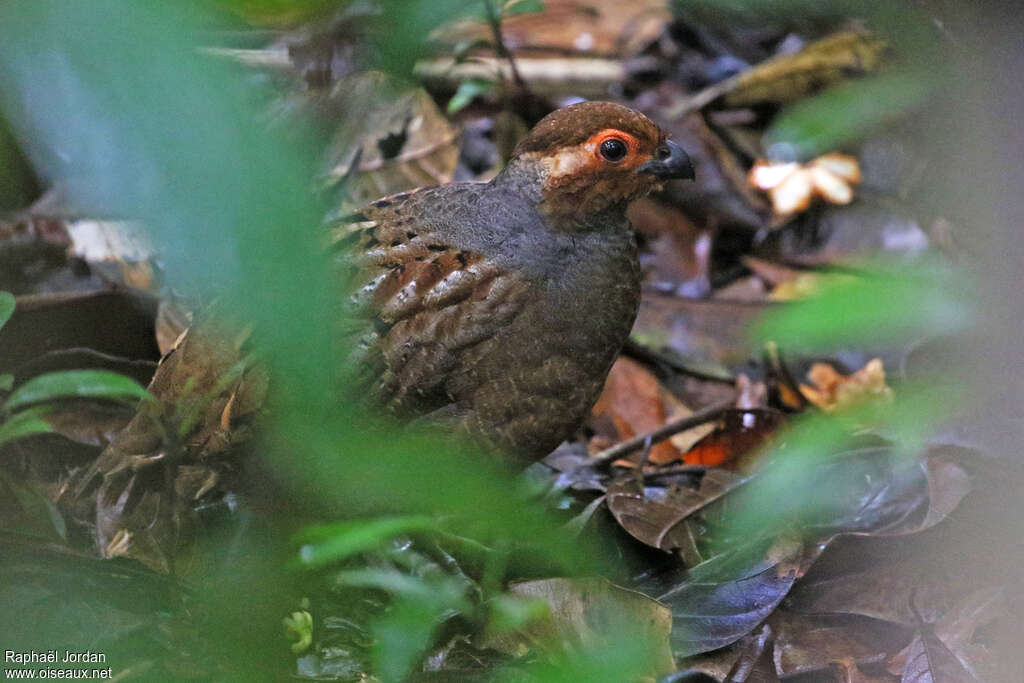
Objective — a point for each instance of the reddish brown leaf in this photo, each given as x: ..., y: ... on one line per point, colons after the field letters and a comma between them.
x: 739, y: 432
x: 634, y: 402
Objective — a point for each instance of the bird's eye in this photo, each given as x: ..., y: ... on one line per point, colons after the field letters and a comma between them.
x: 614, y: 149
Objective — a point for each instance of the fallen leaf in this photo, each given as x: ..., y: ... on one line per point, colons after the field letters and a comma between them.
x: 946, y: 651
x: 701, y: 331
x: 809, y: 645
x: 737, y: 434
x: 657, y: 514
x: 635, y: 403
x: 721, y: 600
x: 832, y: 391
x: 680, y: 252
x: 788, y: 78
x: 822, y: 63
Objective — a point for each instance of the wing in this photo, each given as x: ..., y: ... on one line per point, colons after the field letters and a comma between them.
x: 429, y: 308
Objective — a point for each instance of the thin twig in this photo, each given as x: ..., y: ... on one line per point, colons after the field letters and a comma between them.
x: 661, y: 433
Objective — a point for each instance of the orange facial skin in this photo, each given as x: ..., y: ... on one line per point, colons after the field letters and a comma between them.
x: 580, y: 178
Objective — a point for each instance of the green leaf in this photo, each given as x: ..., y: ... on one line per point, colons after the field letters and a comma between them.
x: 467, y: 91
x: 329, y: 543
x: 6, y: 382
x: 24, y: 423
x: 843, y: 114
x: 513, y: 7
x: 6, y: 307
x: 75, y: 384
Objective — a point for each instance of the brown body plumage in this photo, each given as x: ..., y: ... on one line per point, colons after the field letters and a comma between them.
x: 502, y: 305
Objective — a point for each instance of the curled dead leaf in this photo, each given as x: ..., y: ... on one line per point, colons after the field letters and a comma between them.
x: 832, y: 391
x: 789, y: 77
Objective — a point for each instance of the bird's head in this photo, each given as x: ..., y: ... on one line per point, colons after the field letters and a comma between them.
x: 594, y: 156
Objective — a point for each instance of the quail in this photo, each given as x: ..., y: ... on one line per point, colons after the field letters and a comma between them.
x: 500, y: 306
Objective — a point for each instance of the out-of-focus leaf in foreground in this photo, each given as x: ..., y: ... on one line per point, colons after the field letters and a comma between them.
x: 886, y: 304
x: 844, y: 114
x: 327, y: 543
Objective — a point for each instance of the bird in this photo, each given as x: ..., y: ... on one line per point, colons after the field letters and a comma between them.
x: 498, y: 307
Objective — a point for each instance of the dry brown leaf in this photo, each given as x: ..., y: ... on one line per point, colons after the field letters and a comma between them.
x: 680, y: 251
x: 657, y: 516
x: 703, y: 331
x: 788, y: 78
x: 832, y: 391
x: 821, y: 64
x: 635, y: 403
x: 953, y: 649
x: 814, y: 646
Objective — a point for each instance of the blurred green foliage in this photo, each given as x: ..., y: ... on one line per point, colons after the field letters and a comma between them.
x: 876, y: 306
x: 844, y: 115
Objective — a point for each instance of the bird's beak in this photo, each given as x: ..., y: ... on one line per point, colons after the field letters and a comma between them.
x: 669, y: 161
